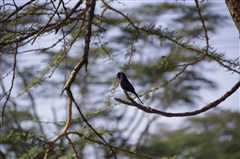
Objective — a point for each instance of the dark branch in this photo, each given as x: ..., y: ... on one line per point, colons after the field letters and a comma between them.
x: 167, y: 114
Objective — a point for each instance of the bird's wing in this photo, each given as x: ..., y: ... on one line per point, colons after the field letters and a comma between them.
x: 127, y: 86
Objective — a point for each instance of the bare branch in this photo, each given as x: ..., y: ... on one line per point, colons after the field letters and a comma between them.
x: 203, y: 25
x: 73, y: 147
x: 49, y: 20
x: 167, y: 114
x: 16, y: 11
x: 88, y: 124
x: 43, y: 29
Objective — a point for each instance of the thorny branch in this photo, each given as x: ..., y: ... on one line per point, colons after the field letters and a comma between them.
x: 88, y: 124
x: 67, y: 88
x: 62, y: 22
x: 112, y: 146
x: 15, y: 12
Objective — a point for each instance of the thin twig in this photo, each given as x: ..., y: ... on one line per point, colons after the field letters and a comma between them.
x: 88, y: 124
x: 12, y: 81
x: 67, y: 17
x: 112, y: 146
x: 73, y: 147
x: 203, y: 25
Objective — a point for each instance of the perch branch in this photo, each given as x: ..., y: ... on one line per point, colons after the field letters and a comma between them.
x: 167, y: 114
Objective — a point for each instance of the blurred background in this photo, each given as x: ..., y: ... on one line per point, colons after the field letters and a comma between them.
x: 41, y: 44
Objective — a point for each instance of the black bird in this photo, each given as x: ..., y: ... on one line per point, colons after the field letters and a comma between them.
x: 125, y: 84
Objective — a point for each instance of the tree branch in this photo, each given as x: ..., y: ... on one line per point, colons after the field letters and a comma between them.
x: 112, y: 146
x: 167, y: 114
x: 89, y: 31
x: 203, y: 26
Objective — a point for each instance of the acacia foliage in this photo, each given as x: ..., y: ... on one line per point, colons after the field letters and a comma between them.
x: 77, y: 48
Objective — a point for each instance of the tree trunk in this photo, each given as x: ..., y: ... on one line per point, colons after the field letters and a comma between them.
x: 234, y: 9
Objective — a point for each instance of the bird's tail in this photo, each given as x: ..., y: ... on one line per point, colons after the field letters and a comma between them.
x: 139, y: 98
